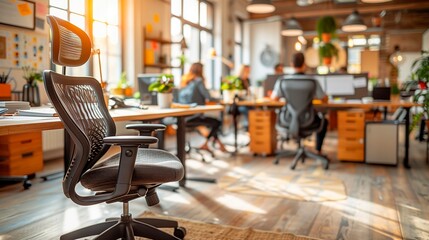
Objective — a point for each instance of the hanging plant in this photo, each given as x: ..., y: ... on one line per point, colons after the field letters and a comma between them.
x: 326, y: 52
x: 326, y: 28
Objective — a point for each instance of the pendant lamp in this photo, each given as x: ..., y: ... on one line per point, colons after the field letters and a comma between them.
x: 260, y: 6
x: 354, y: 23
x: 292, y: 28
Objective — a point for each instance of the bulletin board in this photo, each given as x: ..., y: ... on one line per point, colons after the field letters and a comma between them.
x: 18, y: 49
x: 18, y: 13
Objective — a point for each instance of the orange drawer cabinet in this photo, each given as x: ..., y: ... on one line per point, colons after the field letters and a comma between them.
x: 351, y: 130
x: 262, y: 131
x: 21, y: 154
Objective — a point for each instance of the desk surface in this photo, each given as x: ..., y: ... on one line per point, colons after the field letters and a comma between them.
x: 317, y: 103
x: 21, y: 124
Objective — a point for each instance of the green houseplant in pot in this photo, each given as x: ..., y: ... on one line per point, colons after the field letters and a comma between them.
x: 326, y: 27
x: 419, y: 81
x: 230, y: 86
x: 30, y: 90
x: 164, y: 86
x: 326, y: 52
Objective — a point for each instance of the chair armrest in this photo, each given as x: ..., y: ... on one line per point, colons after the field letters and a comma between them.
x: 129, y: 149
x: 146, y: 129
x: 130, y: 140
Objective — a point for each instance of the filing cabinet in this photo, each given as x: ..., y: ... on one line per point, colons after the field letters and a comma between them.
x: 351, y: 132
x: 21, y: 154
x: 262, y: 131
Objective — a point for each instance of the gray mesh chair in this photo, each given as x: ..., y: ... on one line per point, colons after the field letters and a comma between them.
x: 133, y: 173
x: 298, y: 117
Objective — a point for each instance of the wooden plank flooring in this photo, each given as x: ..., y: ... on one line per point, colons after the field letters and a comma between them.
x: 383, y: 202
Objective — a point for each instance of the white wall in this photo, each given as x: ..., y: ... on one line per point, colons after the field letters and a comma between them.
x: 426, y: 40
x: 261, y: 35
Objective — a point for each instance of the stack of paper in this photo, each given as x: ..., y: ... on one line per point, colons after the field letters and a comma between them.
x: 39, y: 112
x: 14, y: 106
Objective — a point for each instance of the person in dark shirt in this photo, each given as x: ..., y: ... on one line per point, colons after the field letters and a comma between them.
x: 193, y: 90
x: 298, y: 62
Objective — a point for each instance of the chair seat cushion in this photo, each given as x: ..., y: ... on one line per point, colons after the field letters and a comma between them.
x: 152, y: 167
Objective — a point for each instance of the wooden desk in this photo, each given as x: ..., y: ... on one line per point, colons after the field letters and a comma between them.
x: 18, y: 124
x: 332, y: 105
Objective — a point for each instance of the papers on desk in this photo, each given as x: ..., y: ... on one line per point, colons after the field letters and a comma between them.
x: 14, y: 106
x: 38, y: 112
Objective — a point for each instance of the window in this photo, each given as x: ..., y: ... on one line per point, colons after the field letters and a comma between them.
x: 192, y: 20
x: 104, y: 32
x: 238, y: 44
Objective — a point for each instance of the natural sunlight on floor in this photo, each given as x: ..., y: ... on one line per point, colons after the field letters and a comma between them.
x: 239, y: 204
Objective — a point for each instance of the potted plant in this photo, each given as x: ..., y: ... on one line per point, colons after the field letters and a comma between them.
x: 419, y: 81
x: 122, y: 88
x: 326, y: 27
x: 326, y: 52
x: 30, y: 91
x: 164, y: 86
x: 231, y: 85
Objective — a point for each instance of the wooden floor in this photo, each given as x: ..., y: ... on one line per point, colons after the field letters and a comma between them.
x: 383, y: 202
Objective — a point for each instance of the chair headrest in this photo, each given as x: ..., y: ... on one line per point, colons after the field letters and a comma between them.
x: 71, y: 46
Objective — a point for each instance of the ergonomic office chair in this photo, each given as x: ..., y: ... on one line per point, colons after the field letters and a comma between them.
x: 134, y: 172
x: 298, y: 117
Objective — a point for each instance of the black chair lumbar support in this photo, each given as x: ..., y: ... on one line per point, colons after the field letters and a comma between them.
x: 297, y: 118
x: 133, y: 173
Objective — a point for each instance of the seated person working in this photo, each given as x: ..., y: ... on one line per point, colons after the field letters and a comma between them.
x: 299, y: 67
x: 193, y: 90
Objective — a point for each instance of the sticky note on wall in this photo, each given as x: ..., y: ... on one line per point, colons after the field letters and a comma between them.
x: 24, y: 9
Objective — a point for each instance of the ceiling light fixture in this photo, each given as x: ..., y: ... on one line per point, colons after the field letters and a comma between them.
x: 354, y: 23
x: 375, y: 1
x: 260, y: 6
x: 292, y: 28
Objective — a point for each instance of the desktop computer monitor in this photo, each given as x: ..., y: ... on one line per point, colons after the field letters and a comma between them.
x: 381, y: 93
x: 144, y: 80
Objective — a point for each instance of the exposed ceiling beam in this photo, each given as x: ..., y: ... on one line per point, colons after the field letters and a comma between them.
x: 318, y: 10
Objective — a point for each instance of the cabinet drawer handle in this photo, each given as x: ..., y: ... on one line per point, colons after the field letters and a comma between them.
x: 25, y: 155
x: 26, y: 141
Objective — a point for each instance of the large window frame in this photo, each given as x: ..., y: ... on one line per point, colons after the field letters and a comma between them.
x: 238, y: 43
x: 109, y: 74
x: 196, y: 26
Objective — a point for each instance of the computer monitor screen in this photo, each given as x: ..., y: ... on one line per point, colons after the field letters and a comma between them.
x: 339, y: 85
x: 381, y: 93
x: 269, y: 83
x: 144, y: 80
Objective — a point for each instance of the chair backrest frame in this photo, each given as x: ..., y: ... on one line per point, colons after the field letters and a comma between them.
x: 80, y: 105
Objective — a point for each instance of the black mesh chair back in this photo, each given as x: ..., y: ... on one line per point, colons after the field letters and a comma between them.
x: 299, y: 113
x: 71, y: 46
x: 298, y: 118
x: 80, y: 105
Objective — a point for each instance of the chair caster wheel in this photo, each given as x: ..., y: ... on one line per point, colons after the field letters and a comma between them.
x: 180, y: 232
x: 326, y: 167
x: 27, y: 184
x: 292, y: 167
x: 276, y: 162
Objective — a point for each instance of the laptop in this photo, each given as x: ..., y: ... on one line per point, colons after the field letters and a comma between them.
x: 381, y: 94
